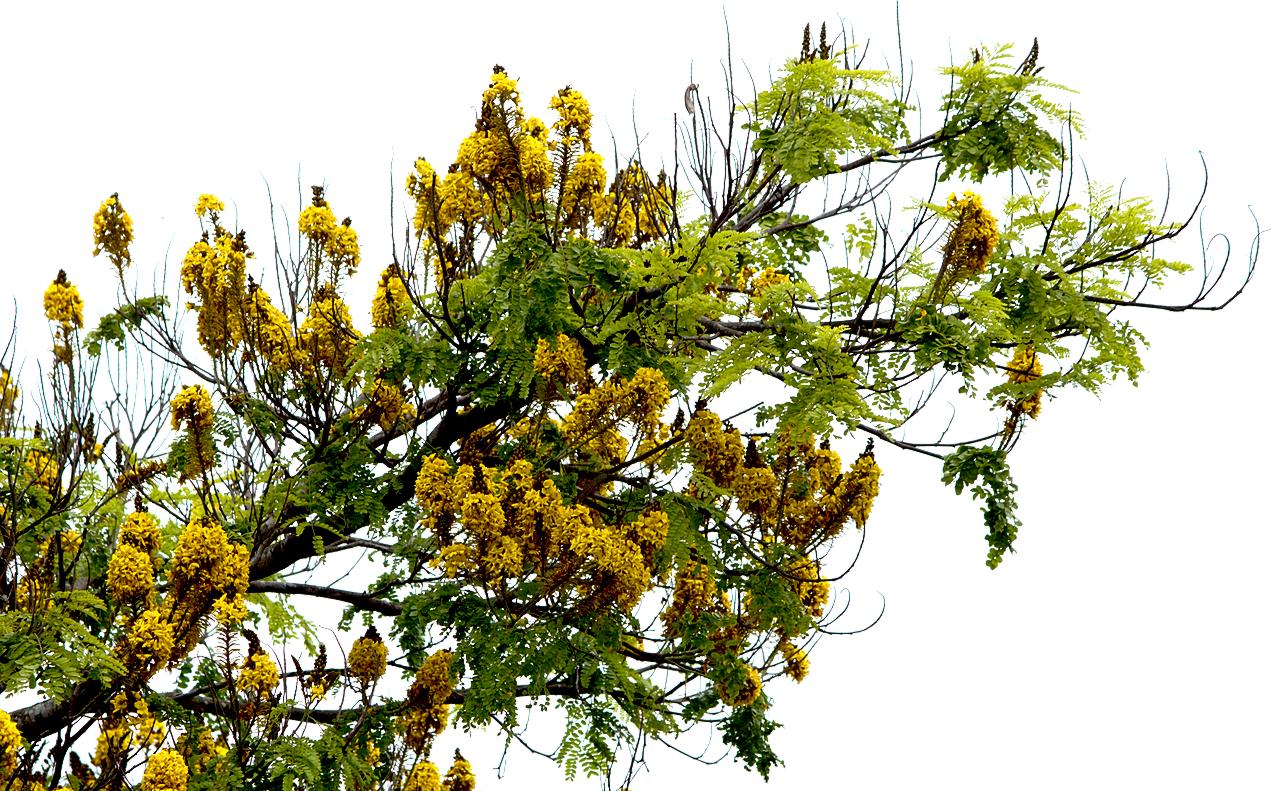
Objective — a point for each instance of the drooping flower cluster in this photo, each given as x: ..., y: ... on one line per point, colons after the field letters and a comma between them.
x: 1025, y: 368
x: 206, y: 568
x: 565, y: 363
x: 973, y: 237
x: 426, y: 711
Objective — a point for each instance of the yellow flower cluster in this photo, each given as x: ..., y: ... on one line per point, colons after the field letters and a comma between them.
x: 636, y: 209
x: 269, y: 332
x: 971, y: 242
x: 206, y: 567
x: 8, y: 394
x: 387, y: 405
x: 215, y: 275
x: 10, y: 745
x: 695, y: 593
x: 62, y: 303
x: 584, y: 184
x: 797, y: 661
x: 166, y: 771
x: 113, y: 232
x: 141, y: 530
x: 756, y: 486
x: 439, y: 203
x: 327, y: 336
x: 258, y: 676
x: 715, y: 452
x: 149, y: 643
x: 973, y: 237
x: 596, y: 413
x: 427, y: 714
x: 367, y: 660
x: 565, y: 363
x: 391, y: 301
x: 423, y: 777
x: 130, y: 576
x: 210, y: 205
x: 619, y: 562
x: 328, y: 238
x: 192, y: 409
x: 460, y: 776
x: 860, y: 487
x: 768, y: 278
x: 807, y: 583
x: 434, y: 682
x: 574, y: 123
x: 43, y: 469
x: 1025, y: 368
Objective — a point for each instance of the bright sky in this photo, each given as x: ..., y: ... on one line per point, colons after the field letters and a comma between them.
x: 1130, y: 642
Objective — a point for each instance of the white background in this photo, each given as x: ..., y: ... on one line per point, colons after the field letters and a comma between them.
x: 1130, y: 642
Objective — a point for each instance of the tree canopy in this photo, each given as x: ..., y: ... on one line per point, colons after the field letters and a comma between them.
x: 531, y: 449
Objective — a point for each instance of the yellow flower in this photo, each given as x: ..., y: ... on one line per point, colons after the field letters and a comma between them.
x: 192, y: 409
x: 434, y: 682
x: 208, y: 204
x: 259, y: 675
x: 368, y: 658
x: 861, y: 486
x: 424, y: 777
x: 113, y: 232
x: 328, y: 336
x: 10, y: 744
x: 8, y: 394
x: 130, y: 576
x: 973, y: 237
x: 62, y: 303
x: 43, y: 469
x: 166, y: 771
x: 391, y: 301
x: 268, y: 331
x: 317, y: 222
x: 575, y: 116
x: 205, y: 565
x: 230, y: 610
x: 1025, y: 368
x: 141, y: 530
x: 460, y: 777
x: 215, y: 274
x: 797, y: 660
x: 149, y: 643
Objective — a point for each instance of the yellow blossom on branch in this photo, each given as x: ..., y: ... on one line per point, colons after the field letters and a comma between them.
x: 62, y: 303
x: 113, y: 232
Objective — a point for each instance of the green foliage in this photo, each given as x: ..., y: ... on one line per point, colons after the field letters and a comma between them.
x: 747, y: 730
x: 994, y: 114
x: 817, y: 111
x: 987, y: 472
x: 114, y: 327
